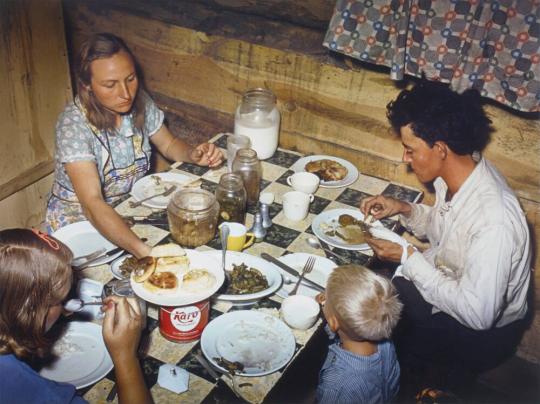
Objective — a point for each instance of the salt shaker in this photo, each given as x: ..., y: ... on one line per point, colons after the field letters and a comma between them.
x: 258, y: 229
x: 265, y: 213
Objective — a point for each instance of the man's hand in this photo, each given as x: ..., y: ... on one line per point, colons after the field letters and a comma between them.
x: 385, y: 250
x: 122, y: 327
x: 206, y: 154
x: 380, y: 206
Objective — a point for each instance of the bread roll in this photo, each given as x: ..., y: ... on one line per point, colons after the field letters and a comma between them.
x: 162, y: 283
x: 145, y: 268
x: 167, y: 250
x: 198, y: 281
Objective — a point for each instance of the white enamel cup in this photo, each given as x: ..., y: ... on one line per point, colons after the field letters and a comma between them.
x: 304, y: 182
x: 296, y: 205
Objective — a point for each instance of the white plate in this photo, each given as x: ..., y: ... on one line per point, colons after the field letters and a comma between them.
x: 83, y: 238
x: 115, y: 267
x: 261, y: 342
x: 146, y: 187
x: 197, y: 260
x: 83, y: 357
x: 320, y: 273
x: 329, y: 218
x: 352, y: 171
x: 271, y: 272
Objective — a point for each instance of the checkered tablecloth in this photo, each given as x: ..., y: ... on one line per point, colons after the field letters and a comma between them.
x: 282, y: 238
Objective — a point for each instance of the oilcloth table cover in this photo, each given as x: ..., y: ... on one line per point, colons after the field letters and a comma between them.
x: 283, y: 237
x: 490, y: 45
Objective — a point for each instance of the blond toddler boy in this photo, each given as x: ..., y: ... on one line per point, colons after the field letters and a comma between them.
x: 361, y: 309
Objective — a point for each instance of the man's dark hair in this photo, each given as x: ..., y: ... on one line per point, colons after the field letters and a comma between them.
x: 437, y: 113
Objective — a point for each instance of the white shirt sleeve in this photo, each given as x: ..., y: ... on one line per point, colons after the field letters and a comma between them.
x: 417, y: 222
x: 478, y: 297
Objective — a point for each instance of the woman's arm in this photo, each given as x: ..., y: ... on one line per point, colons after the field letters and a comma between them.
x: 175, y: 149
x: 87, y: 186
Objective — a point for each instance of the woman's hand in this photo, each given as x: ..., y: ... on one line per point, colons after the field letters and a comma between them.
x: 206, y: 154
x: 380, y: 206
x: 122, y: 327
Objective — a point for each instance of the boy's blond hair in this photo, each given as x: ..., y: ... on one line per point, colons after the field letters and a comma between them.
x: 365, y: 304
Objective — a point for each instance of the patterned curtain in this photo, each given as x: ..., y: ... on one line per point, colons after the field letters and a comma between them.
x: 492, y: 46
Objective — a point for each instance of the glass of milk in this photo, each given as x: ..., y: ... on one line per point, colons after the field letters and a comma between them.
x: 258, y: 118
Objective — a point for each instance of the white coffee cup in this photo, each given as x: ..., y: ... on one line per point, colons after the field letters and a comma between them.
x: 300, y: 311
x: 304, y: 182
x: 296, y: 205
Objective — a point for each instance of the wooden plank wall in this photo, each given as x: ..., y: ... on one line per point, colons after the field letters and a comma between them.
x: 200, y: 56
x: 34, y: 87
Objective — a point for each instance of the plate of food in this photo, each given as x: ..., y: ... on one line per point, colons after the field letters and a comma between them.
x: 158, y: 183
x: 252, y: 277
x: 82, y: 358
x: 321, y: 271
x: 82, y: 238
x: 173, y: 276
x: 248, y: 343
x: 334, y: 172
x: 123, y: 266
x: 342, y: 228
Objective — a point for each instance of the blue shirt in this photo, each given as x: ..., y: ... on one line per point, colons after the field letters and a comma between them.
x: 350, y: 378
x: 19, y: 383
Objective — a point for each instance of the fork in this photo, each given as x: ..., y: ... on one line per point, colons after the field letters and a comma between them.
x: 88, y: 257
x: 167, y: 191
x: 308, y: 267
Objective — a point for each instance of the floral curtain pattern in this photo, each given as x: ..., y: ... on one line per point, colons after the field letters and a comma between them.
x: 492, y: 46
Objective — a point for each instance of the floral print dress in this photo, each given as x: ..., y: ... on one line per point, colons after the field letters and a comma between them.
x: 121, y: 158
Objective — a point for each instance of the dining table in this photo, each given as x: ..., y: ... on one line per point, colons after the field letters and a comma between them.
x: 283, y: 237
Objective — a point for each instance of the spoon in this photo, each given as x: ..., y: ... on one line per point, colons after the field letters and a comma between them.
x: 224, y: 234
x: 314, y: 243
x: 75, y: 305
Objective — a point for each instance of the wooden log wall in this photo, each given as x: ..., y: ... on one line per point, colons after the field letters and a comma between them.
x: 200, y: 56
x: 34, y: 87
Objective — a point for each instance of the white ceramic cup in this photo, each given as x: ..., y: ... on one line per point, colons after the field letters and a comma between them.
x: 235, y: 143
x: 300, y: 311
x: 304, y: 182
x: 296, y: 205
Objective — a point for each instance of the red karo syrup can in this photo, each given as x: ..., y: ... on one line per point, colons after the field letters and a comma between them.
x: 184, y: 323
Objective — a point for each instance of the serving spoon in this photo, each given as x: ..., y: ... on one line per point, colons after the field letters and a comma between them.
x: 224, y: 235
x: 314, y: 243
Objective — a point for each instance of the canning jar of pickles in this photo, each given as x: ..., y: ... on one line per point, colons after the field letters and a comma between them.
x: 193, y: 217
x: 231, y: 196
x: 247, y: 165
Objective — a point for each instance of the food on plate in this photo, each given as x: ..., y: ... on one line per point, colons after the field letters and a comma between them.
x: 327, y: 170
x: 348, y: 228
x: 197, y: 281
x: 167, y: 250
x: 145, y: 267
x: 176, y: 265
x: 162, y: 283
x: 245, y: 280
x: 231, y: 367
x: 129, y: 265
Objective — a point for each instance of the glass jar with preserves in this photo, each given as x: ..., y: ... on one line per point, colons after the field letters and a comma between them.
x: 232, y: 197
x: 258, y: 118
x: 248, y: 166
x: 193, y: 216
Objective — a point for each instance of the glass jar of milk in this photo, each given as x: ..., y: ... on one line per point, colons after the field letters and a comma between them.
x: 257, y: 117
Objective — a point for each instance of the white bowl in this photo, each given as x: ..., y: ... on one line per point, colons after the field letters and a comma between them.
x: 300, y: 311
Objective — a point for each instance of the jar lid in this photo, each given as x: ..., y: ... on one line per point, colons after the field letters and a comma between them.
x: 193, y: 200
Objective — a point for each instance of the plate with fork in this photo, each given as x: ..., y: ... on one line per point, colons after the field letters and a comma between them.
x: 322, y: 269
x: 160, y: 185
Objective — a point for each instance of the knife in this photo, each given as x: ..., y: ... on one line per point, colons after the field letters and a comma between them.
x: 108, y: 254
x: 291, y: 271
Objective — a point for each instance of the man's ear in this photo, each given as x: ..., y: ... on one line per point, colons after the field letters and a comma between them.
x: 441, y: 148
x: 333, y: 323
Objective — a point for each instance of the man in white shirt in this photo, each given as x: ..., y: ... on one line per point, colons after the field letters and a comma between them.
x: 465, y: 297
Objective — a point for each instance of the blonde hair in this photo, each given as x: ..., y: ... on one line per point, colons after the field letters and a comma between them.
x: 365, y: 304
x: 34, y: 271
